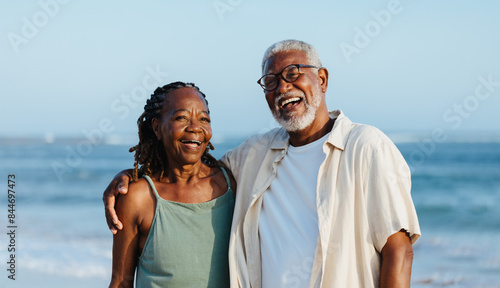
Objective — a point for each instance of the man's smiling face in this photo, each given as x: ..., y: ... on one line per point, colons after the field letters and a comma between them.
x: 293, y: 105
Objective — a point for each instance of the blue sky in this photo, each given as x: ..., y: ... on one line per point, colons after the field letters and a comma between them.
x: 72, y: 66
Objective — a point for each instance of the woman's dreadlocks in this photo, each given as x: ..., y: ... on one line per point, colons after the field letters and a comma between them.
x: 150, y: 153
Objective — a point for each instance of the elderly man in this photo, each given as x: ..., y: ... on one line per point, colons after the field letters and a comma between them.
x: 322, y: 201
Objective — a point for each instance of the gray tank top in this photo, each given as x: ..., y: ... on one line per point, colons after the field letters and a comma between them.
x: 187, y: 245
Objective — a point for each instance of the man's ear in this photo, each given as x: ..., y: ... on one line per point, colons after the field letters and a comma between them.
x: 323, y: 79
x: 155, y: 123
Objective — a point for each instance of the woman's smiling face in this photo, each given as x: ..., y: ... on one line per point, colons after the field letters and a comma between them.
x: 184, y: 127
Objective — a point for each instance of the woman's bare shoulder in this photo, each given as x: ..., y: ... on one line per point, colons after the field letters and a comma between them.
x: 219, y: 179
x: 139, y: 192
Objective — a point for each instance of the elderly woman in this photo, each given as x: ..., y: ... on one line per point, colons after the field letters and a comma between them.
x: 177, y: 214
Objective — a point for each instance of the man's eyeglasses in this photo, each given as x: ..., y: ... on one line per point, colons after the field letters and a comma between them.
x: 290, y: 73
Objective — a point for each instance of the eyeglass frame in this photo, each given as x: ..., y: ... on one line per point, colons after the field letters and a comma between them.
x: 282, y: 77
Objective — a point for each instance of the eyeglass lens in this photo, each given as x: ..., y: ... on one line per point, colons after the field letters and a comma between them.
x: 289, y: 74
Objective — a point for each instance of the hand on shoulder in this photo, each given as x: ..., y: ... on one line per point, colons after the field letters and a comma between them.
x: 131, y: 206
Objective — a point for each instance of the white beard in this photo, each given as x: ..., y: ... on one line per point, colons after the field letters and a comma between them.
x: 297, y: 123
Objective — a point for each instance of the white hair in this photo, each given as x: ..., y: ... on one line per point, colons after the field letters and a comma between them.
x: 292, y: 45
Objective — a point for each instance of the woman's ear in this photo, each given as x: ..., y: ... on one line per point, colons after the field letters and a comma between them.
x: 156, y: 127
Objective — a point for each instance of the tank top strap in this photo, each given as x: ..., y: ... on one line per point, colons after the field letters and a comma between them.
x: 150, y: 181
x: 227, y: 178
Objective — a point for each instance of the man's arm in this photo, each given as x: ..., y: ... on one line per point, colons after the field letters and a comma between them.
x: 397, y: 258
x: 119, y: 185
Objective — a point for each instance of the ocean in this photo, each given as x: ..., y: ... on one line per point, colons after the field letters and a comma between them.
x: 61, y: 238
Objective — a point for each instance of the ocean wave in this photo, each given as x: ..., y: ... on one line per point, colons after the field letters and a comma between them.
x: 65, y: 257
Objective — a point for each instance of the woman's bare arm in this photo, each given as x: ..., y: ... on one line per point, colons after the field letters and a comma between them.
x: 125, y: 241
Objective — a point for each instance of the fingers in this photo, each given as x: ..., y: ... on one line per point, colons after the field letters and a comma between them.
x: 111, y: 218
x: 118, y: 186
x: 122, y: 186
x: 109, y: 199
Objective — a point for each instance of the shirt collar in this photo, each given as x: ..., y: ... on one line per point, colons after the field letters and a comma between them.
x: 340, y: 130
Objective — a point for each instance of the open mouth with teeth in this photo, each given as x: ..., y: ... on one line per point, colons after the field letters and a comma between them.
x: 290, y: 103
x: 191, y: 143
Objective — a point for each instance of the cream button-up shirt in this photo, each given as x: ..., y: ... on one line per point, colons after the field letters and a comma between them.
x: 363, y: 197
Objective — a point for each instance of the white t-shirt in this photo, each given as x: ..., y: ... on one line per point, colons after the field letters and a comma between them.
x: 288, y: 225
